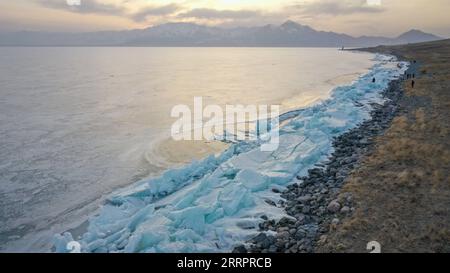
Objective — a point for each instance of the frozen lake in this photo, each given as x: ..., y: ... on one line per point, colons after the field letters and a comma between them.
x: 79, y: 123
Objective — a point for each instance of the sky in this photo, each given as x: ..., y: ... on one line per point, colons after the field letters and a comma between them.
x: 354, y: 17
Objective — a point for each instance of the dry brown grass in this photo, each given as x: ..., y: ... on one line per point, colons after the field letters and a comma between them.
x: 402, y: 191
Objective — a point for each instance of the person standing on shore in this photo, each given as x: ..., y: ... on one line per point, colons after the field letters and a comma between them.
x: 413, y: 83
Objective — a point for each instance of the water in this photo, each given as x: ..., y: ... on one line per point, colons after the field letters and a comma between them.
x: 78, y: 123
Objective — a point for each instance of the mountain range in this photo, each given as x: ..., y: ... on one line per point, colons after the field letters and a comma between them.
x: 289, y: 34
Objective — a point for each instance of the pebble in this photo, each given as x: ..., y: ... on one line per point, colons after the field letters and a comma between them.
x: 335, y: 221
x: 334, y: 206
x: 240, y: 249
x: 345, y: 210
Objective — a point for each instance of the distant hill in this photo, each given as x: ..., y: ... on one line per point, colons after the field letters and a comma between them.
x: 417, y: 36
x: 289, y: 34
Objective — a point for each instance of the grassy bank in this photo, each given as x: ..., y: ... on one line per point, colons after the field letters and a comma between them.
x: 401, y: 190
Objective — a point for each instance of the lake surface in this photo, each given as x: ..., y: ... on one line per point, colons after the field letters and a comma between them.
x: 79, y: 123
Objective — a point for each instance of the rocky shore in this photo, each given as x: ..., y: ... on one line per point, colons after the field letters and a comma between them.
x: 315, y: 204
x: 401, y: 190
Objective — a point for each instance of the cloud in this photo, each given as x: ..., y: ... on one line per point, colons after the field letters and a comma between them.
x: 96, y: 7
x: 86, y: 7
x: 205, y: 13
x: 142, y: 14
x: 145, y: 13
x: 337, y: 7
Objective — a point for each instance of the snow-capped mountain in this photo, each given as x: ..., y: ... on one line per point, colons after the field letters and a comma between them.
x: 289, y: 34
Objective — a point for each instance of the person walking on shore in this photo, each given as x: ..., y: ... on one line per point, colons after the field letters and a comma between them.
x: 413, y: 83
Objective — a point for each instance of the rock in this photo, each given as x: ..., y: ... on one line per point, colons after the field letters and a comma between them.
x: 304, y: 199
x: 334, y: 206
x: 306, y: 210
x: 300, y: 234
x: 285, y: 221
x: 240, y: 249
x: 323, y: 239
x: 260, y: 238
x: 301, y: 178
x: 294, y: 250
x: 283, y: 235
x: 300, y: 217
x: 350, y: 198
x: 283, y: 228
x: 280, y: 243
x: 272, y: 249
x: 266, y: 243
x: 345, y: 195
x: 345, y: 210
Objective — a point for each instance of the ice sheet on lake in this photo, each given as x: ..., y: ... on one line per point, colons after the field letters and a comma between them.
x: 217, y: 203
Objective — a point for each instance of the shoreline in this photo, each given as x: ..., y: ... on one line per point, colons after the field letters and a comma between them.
x: 402, y: 190
x: 393, y: 192
x: 314, y: 204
